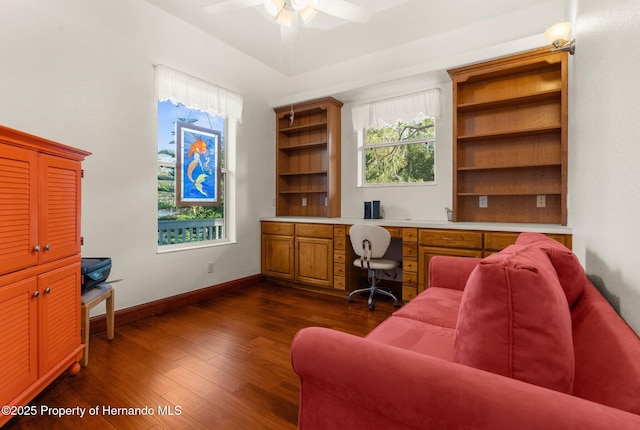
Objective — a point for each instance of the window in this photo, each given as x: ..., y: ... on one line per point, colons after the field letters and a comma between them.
x: 196, y: 135
x: 200, y: 138
x: 396, y: 139
x: 401, y: 153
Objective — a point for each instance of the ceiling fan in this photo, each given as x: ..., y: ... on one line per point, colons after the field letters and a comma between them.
x: 283, y: 10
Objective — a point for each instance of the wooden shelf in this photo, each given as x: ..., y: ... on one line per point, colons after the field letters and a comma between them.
x: 302, y: 146
x: 511, y: 101
x: 510, y: 138
x: 510, y: 133
x: 317, y: 172
x: 510, y: 166
x: 304, y: 128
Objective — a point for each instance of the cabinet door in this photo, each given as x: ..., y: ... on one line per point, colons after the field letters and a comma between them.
x: 59, y: 222
x: 314, y: 261
x: 18, y: 206
x: 425, y: 253
x: 18, y: 338
x: 277, y: 256
x: 59, y: 324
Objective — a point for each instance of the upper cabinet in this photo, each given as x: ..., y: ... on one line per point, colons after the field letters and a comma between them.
x: 308, y: 159
x: 40, y: 188
x: 510, y: 139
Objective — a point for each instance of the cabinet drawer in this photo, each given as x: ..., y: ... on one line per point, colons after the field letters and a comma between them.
x: 339, y: 257
x: 339, y: 230
x: 451, y: 238
x: 409, y: 249
x: 339, y: 282
x: 284, y: 228
x: 409, y: 264
x: 315, y: 230
x: 409, y: 293
x: 409, y: 279
x: 410, y: 234
x: 339, y: 243
x: 497, y: 241
x: 339, y: 269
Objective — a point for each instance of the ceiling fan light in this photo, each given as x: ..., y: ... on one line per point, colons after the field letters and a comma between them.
x: 285, y: 18
x: 299, y: 5
x: 307, y: 13
x: 273, y: 7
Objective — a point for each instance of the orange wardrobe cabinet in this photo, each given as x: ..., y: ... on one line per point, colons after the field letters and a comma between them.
x: 39, y: 264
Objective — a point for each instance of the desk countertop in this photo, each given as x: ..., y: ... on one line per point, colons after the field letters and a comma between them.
x: 423, y: 223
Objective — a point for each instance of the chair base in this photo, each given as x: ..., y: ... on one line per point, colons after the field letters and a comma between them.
x: 372, y: 290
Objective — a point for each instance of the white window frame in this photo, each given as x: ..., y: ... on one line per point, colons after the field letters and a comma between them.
x: 362, y: 160
x: 195, y: 93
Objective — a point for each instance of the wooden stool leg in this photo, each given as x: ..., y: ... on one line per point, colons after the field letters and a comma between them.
x: 85, y: 334
x: 110, y: 316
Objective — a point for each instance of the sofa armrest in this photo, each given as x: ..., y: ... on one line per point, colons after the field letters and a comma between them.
x: 451, y: 272
x: 349, y: 382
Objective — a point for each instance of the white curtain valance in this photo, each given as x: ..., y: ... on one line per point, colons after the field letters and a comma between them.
x: 390, y: 111
x: 195, y: 93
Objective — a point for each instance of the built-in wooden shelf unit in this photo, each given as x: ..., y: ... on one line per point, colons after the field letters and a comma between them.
x: 510, y: 139
x: 308, y: 159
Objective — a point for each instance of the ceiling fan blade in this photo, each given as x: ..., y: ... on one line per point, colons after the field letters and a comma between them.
x: 230, y: 6
x: 345, y: 10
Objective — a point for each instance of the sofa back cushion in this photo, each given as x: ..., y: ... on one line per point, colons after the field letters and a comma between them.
x: 514, y: 320
x: 568, y: 268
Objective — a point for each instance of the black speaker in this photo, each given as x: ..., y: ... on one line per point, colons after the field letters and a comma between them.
x: 375, y: 209
x: 367, y: 210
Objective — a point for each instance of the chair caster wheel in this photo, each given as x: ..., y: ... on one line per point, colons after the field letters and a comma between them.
x: 372, y: 307
x: 350, y: 299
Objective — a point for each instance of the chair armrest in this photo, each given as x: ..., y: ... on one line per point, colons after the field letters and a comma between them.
x: 349, y: 382
x: 451, y: 272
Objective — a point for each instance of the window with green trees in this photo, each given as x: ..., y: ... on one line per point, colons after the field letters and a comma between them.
x: 180, y: 223
x: 400, y: 153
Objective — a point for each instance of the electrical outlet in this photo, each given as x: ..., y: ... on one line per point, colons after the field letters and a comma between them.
x: 304, y: 201
x: 483, y: 201
x: 210, y: 267
x: 541, y: 201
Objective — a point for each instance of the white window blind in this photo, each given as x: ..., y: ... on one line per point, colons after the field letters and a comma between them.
x: 390, y: 111
x: 195, y: 93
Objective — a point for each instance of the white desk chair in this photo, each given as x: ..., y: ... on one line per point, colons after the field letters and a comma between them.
x: 370, y: 242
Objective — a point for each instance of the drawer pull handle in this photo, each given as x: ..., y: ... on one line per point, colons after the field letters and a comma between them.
x: 448, y: 238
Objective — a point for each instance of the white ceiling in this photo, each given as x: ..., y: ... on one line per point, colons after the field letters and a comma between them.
x: 329, y: 40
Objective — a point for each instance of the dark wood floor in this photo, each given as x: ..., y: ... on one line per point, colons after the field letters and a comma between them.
x: 220, y: 364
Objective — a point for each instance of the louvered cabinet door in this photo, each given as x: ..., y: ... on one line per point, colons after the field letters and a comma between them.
x: 59, y: 324
x: 18, y: 208
x: 18, y: 338
x: 59, y: 220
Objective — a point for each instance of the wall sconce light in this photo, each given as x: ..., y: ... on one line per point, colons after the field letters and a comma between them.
x: 558, y: 35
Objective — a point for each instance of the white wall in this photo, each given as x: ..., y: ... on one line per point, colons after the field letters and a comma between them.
x: 80, y: 72
x: 604, y: 176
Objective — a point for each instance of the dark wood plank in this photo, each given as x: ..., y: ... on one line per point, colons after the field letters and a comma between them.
x: 220, y: 363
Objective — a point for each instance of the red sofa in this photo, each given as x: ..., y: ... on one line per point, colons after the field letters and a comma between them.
x: 518, y: 340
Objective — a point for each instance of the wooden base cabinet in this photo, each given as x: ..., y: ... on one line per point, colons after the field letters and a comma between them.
x: 298, y: 252
x: 278, y: 249
x: 39, y: 264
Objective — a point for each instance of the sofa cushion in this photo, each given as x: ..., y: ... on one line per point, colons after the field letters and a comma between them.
x: 416, y: 336
x: 437, y: 306
x: 570, y: 272
x: 514, y: 320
